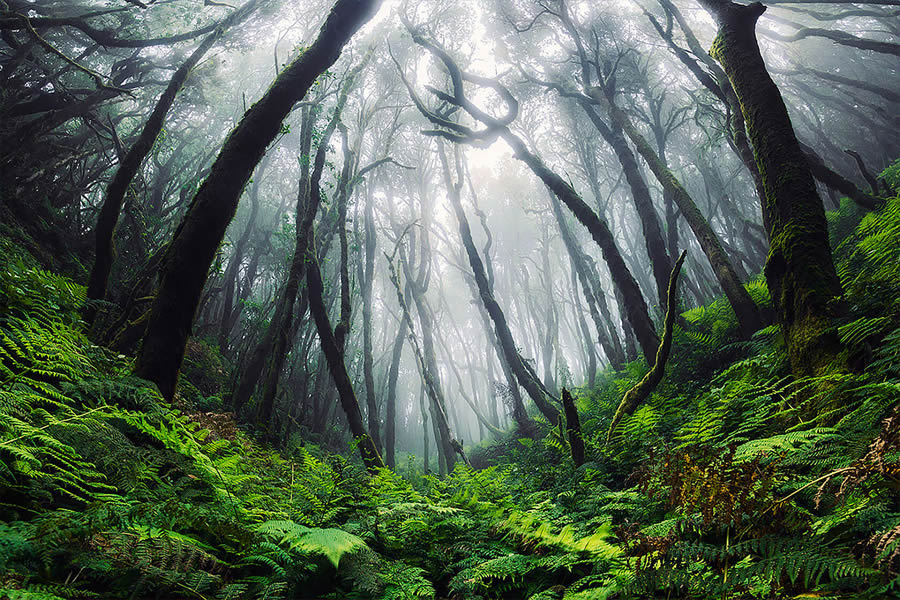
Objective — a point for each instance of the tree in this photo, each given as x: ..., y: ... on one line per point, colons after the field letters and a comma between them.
x: 104, y: 231
x: 800, y: 272
x: 635, y: 305
x: 193, y: 248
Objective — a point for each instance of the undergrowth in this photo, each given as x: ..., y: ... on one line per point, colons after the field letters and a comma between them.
x: 732, y: 481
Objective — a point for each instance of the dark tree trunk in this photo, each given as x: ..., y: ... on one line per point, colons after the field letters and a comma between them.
x: 309, y: 197
x: 834, y: 181
x: 633, y: 300
x: 799, y: 270
x: 501, y: 328
x: 660, y: 262
x: 573, y: 428
x: 748, y: 315
x: 104, y: 232
x: 335, y: 359
x: 613, y: 350
x: 369, y: 245
x: 390, y: 409
x: 198, y: 237
x: 427, y: 364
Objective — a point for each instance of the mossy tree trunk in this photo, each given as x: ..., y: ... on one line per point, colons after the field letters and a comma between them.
x: 799, y: 269
x: 613, y: 350
x: 197, y: 239
x: 130, y: 164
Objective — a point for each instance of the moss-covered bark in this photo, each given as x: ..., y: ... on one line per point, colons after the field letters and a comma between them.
x: 799, y: 269
x: 642, y: 390
x: 197, y: 239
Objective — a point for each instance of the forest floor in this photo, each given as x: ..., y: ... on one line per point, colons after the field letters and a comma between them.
x: 733, y: 480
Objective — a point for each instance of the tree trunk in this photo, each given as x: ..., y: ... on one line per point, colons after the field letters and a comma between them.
x: 799, y: 270
x: 335, y: 360
x: 390, y: 409
x: 613, y: 350
x: 633, y: 300
x: 501, y: 328
x: 369, y: 245
x: 104, y: 232
x: 198, y: 237
x: 748, y: 315
x: 427, y: 368
x: 573, y: 428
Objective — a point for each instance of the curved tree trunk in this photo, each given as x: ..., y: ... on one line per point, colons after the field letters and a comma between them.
x: 198, y: 237
x: 104, y: 232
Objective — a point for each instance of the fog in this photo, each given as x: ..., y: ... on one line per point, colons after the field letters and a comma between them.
x: 404, y: 144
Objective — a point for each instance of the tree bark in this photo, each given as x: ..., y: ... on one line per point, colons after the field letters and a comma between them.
x: 799, y: 270
x: 501, y: 328
x: 335, y: 360
x: 573, y: 428
x: 369, y: 246
x: 613, y: 350
x: 198, y: 237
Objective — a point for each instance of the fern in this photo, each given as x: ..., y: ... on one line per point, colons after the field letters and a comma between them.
x: 329, y: 542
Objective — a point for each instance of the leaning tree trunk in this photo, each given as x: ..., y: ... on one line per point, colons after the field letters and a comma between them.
x: 748, y: 316
x: 799, y: 270
x: 198, y: 237
x: 104, y: 232
x: 633, y: 300
x: 613, y: 351
x: 501, y: 328
x: 335, y: 359
x: 660, y: 261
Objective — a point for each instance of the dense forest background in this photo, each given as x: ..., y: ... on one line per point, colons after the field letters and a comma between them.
x: 532, y: 299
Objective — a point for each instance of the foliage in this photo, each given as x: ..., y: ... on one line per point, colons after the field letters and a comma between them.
x: 732, y: 481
